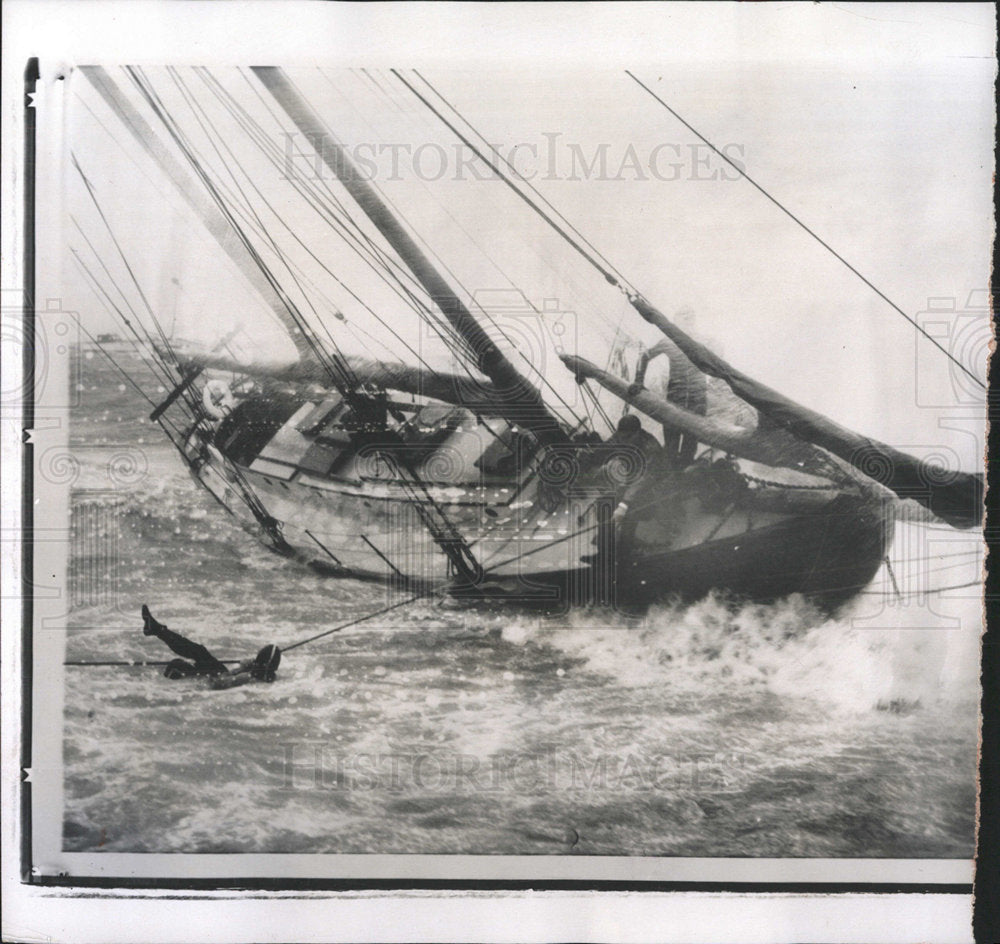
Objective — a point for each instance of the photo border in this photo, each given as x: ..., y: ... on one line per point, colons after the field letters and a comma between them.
x: 988, y: 768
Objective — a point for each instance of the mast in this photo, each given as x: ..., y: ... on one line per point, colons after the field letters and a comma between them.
x: 522, y: 401
x: 192, y: 191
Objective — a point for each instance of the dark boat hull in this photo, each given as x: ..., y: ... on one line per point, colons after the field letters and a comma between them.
x: 828, y: 556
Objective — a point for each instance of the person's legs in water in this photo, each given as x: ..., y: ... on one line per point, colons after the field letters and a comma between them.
x: 204, y: 662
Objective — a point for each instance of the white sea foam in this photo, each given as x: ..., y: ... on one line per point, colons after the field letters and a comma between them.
x: 868, y: 655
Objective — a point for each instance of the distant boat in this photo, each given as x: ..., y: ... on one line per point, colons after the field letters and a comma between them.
x: 480, y: 481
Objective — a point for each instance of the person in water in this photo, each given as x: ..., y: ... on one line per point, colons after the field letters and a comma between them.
x: 262, y: 668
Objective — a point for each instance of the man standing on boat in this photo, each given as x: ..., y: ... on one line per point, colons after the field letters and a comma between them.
x: 637, y: 454
x: 686, y: 387
x: 630, y: 455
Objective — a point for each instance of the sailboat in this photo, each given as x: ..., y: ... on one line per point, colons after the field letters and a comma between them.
x: 478, y: 481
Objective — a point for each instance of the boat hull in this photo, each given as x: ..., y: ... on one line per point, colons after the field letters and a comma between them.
x: 827, y: 547
x: 829, y: 556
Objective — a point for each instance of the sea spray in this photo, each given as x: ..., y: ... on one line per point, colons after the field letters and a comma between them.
x: 790, y: 647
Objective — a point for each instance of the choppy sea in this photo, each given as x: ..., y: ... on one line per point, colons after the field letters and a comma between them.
x: 714, y: 729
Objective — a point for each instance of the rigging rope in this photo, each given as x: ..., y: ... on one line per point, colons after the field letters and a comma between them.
x: 128, y: 663
x: 156, y: 366
x: 154, y: 101
x: 811, y: 232
x: 510, y: 166
x: 603, y: 269
x: 253, y: 130
x: 393, y: 272
x: 348, y: 379
x: 332, y: 211
x: 458, y: 340
x: 892, y: 577
x: 495, y: 168
x: 250, y: 498
x: 121, y: 254
x: 335, y: 363
x: 448, y: 537
x: 295, y: 645
x: 128, y: 377
x: 124, y: 663
x: 541, y: 375
x: 564, y: 275
x: 915, y: 593
x: 413, y: 599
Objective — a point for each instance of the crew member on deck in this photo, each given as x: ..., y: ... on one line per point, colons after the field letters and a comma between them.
x: 260, y: 669
x: 640, y: 454
x: 687, y: 388
x: 631, y: 433
x: 626, y: 469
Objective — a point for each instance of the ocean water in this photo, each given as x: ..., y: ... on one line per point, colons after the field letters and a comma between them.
x: 713, y: 729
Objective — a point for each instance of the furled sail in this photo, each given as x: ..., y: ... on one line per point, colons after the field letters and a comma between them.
x: 955, y: 497
x: 478, y: 396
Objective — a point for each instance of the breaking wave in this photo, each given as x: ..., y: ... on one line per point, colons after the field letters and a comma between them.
x: 865, y: 657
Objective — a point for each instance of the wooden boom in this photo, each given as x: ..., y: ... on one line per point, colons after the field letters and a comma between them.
x: 769, y: 446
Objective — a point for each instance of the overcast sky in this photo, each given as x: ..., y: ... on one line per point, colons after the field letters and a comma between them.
x: 875, y: 130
